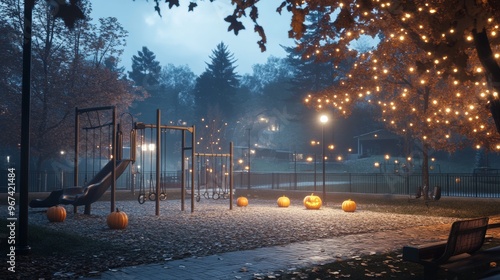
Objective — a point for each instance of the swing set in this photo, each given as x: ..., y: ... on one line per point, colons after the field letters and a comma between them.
x: 147, y: 184
x: 213, y: 175
x: 215, y: 169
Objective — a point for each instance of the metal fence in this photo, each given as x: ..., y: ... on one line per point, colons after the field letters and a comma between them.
x: 452, y: 184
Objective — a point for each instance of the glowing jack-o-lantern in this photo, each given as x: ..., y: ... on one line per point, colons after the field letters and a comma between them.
x: 312, y: 202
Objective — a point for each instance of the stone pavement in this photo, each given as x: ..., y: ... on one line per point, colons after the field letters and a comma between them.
x: 250, y: 263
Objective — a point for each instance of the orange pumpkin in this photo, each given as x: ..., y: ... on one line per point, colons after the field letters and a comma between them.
x: 283, y: 201
x: 312, y: 202
x: 349, y: 206
x: 242, y: 201
x: 117, y: 220
x: 56, y: 214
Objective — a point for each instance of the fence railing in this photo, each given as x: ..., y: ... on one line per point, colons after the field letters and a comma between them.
x: 452, y: 184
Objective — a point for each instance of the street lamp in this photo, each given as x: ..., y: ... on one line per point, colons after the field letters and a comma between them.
x: 248, y: 174
x: 323, y: 119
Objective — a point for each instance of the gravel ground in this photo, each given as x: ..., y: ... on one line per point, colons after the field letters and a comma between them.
x: 211, y: 229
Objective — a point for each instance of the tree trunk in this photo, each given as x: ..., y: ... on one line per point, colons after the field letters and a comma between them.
x: 425, y: 171
x: 425, y: 152
x: 492, y: 68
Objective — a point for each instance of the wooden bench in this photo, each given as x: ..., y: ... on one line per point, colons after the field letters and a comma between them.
x: 461, y: 253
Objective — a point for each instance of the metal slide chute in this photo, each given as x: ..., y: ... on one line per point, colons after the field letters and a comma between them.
x: 87, y: 194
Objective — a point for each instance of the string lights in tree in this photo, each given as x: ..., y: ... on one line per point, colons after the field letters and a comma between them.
x: 427, y: 74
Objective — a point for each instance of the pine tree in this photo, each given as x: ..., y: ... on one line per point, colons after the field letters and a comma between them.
x: 145, y: 73
x: 145, y: 69
x: 217, y: 86
x: 214, y: 96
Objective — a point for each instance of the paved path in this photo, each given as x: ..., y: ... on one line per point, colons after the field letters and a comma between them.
x: 251, y: 263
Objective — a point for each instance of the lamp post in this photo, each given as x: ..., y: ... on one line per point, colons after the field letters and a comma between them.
x: 309, y: 159
x: 248, y: 174
x: 242, y: 168
x: 387, y: 157
x: 323, y: 119
x: 315, y: 171
x: 295, y: 169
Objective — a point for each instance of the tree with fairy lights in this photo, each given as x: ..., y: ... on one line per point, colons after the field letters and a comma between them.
x: 211, y: 133
x: 453, y: 35
x: 448, y: 31
x: 412, y: 104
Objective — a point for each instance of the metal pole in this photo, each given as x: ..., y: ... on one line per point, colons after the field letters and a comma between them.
x: 77, y: 147
x: 231, y: 181
x: 158, y: 162
x: 22, y: 246
x: 295, y: 169
x: 315, y: 158
x: 248, y: 186
x: 133, y: 151
x: 114, y: 154
x: 183, y: 170
x: 323, y: 159
x: 193, y: 151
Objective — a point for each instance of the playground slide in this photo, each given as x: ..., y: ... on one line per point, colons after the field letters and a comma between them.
x: 87, y: 194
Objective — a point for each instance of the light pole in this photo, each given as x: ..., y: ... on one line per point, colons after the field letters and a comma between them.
x: 323, y: 119
x: 295, y: 169
x: 387, y: 157
x: 248, y: 186
x: 314, y: 143
x: 315, y: 171
x: 309, y: 159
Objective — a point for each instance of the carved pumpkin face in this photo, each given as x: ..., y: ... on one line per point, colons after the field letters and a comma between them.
x: 349, y: 206
x: 312, y: 202
x: 242, y: 201
x: 283, y: 201
x: 56, y: 214
x: 117, y: 220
